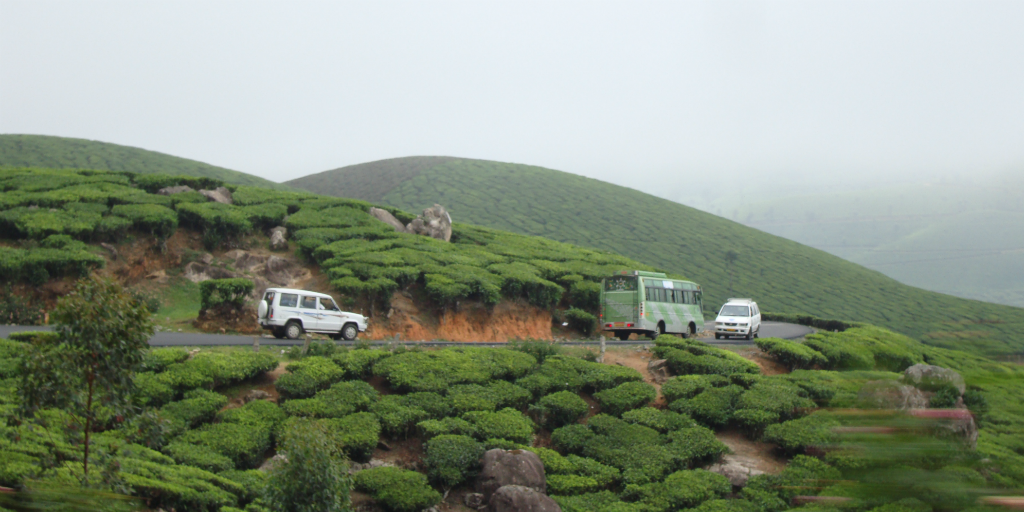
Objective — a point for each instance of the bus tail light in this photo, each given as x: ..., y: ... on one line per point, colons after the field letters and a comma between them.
x: 607, y: 325
x: 629, y: 325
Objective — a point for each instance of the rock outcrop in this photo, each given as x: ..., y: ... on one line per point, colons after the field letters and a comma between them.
x: 889, y: 394
x: 513, y: 467
x: 279, y: 238
x: 219, y: 194
x: 658, y: 368
x: 169, y: 191
x: 435, y: 223
x: 737, y: 468
x: 518, y: 498
x: 933, y: 378
x: 386, y: 217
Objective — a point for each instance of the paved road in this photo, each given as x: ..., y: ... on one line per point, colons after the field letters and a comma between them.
x: 167, y: 339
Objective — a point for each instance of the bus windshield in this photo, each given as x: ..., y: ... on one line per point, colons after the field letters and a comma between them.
x: 620, y: 284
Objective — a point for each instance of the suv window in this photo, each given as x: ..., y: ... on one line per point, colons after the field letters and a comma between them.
x: 328, y: 305
x: 309, y: 302
x: 289, y: 300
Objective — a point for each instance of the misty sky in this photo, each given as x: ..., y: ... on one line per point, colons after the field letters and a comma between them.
x: 637, y: 93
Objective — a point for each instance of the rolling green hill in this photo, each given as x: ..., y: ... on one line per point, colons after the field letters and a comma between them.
x: 782, y: 275
x: 65, y: 153
x: 965, y: 239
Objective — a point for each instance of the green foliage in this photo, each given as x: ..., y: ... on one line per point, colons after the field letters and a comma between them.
x: 315, y: 476
x: 687, y: 356
x: 455, y: 426
x: 157, y: 220
x: 568, y: 485
x: 339, y: 400
x: 198, y: 406
x: 625, y: 397
x: 358, y: 363
x: 712, y: 407
x: 660, y: 420
x: 559, y: 409
x: 682, y: 489
x: 815, y: 430
x: 399, y: 413
x: 790, y: 353
x: 243, y: 444
x: 258, y: 413
x: 452, y: 459
x: 216, y: 369
x: 104, y: 336
x: 158, y: 359
x: 397, y: 490
x: 217, y: 221
x: 306, y: 377
x: 36, y: 266
x: 603, y: 501
x: 18, y: 310
x: 581, y: 321
x: 563, y: 373
x: 233, y: 292
x: 509, y: 424
x: 438, y: 370
x: 198, y: 456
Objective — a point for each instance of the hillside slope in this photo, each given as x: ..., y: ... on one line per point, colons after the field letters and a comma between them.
x: 784, y: 276
x: 66, y: 153
x: 960, y: 238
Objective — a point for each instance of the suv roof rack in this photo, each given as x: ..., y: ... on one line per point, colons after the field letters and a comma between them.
x: 740, y: 300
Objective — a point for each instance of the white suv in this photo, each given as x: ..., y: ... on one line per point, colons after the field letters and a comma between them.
x: 738, y: 317
x: 288, y: 313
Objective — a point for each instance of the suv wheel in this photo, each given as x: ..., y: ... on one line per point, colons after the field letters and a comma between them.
x: 293, y: 330
x: 349, y: 332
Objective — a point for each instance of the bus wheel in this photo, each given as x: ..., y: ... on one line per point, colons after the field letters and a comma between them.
x: 658, y: 331
x: 623, y: 336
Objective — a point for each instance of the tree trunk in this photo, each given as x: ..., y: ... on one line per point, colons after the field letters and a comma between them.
x: 88, y: 426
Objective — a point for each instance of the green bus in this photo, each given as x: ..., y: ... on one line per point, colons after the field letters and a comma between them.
x: 650, y: 304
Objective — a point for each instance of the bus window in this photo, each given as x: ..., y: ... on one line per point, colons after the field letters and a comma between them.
x: 620, y: 284
x: 648, y: 292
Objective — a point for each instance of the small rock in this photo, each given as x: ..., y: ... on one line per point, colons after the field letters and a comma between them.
x: 473, y: 500
x: 111, y: 249
x: 736, y: 468
x: 279, y: 238
x: 512, y: 467
x: 191, y: 353
x: 658, y: 368
x: 168, y: 191
x: 386, y: 217
x: 273, y: 462
x: 206, y: 258
x: 255, y: 394
x: 219, y: 195
x: 889, y: 394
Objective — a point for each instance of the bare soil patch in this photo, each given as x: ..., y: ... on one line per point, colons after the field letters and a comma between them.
x: 768, y: 365
x: 636, y: 358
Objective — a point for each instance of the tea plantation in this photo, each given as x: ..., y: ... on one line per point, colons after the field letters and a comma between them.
x: 50, y: 216
x: 185, y: 451
x: 783, y: 276
x: 63, y: 152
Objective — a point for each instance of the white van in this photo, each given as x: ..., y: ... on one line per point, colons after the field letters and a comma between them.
x: 289, y: 313
x: 738, y: 317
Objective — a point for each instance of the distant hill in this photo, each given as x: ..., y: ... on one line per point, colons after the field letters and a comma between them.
x: 65, y: 153
x: 782, y: 275
x: 966, y: 239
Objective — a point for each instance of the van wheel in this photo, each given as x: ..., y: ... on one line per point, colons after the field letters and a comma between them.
x: 349, y: 332
x: 293, y: 330
x: 718, y: 336
x: 750, y: 335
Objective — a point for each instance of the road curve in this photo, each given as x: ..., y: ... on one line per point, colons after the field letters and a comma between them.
x: 188, y: 339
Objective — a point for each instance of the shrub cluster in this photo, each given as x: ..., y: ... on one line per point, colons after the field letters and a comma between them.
x: 436, y: 371
x: 305, y: 378
x: 233, y: 292
x: 625, y: 397
x: 339, y: 400
x: 687, y: 356
x: 452, y: 459
x: 397, y: 490
x: 559, y: 409
x: 562, y: 373
x: 791, y: 353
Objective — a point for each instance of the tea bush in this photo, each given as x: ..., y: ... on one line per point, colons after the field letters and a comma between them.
x: 357, y: 434
x: 682, y: 489
x: 559, y: 409
x: 790, y: 353
x: 452, y: 459
x: 437, y: 371
x: 797, y: 435
x: 497, y: 394
x: 198, y: 456
x: 305, y: 378
x: 397, y: 490
x: 154, y: 219
x: 712, y: 407
x: 198, y: 406
x: 508, y: 424
x: 455, y: 426
x: 215, y: 292
x: 580, y: 320
x: 563, y: 373
x: 398, y: 414
x: 693, y: 446
x: 339, y: 400
x: 625, y: 397
x: 258, y: 413
x: 158, y: 359
x: 243, y: 444
x: 358, y: 363
x: 660, y: 420
x: 568, y: 485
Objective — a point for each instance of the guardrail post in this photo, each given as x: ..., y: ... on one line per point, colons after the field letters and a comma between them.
x: 305, y: 346
x: 602, y: 349
x: 255, y: 343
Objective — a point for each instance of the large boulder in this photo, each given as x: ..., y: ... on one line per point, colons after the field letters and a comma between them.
x: 386, y: 217
x: 658, y: 369
x: 955, y: 423
x: 279, y: 238
x: 511, y: 467
x: 518, y: 498
x: 435, y: 223
x: 198, y: 272
x: 929, y: 377
x: 889, y: 394
x: 170, y: 191
x: 219, y: 194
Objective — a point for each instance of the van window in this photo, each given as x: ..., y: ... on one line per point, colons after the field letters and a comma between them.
x: 328, y: 305
x: 269, y: 298
x: 309, y: 302
x: 289, y: 300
